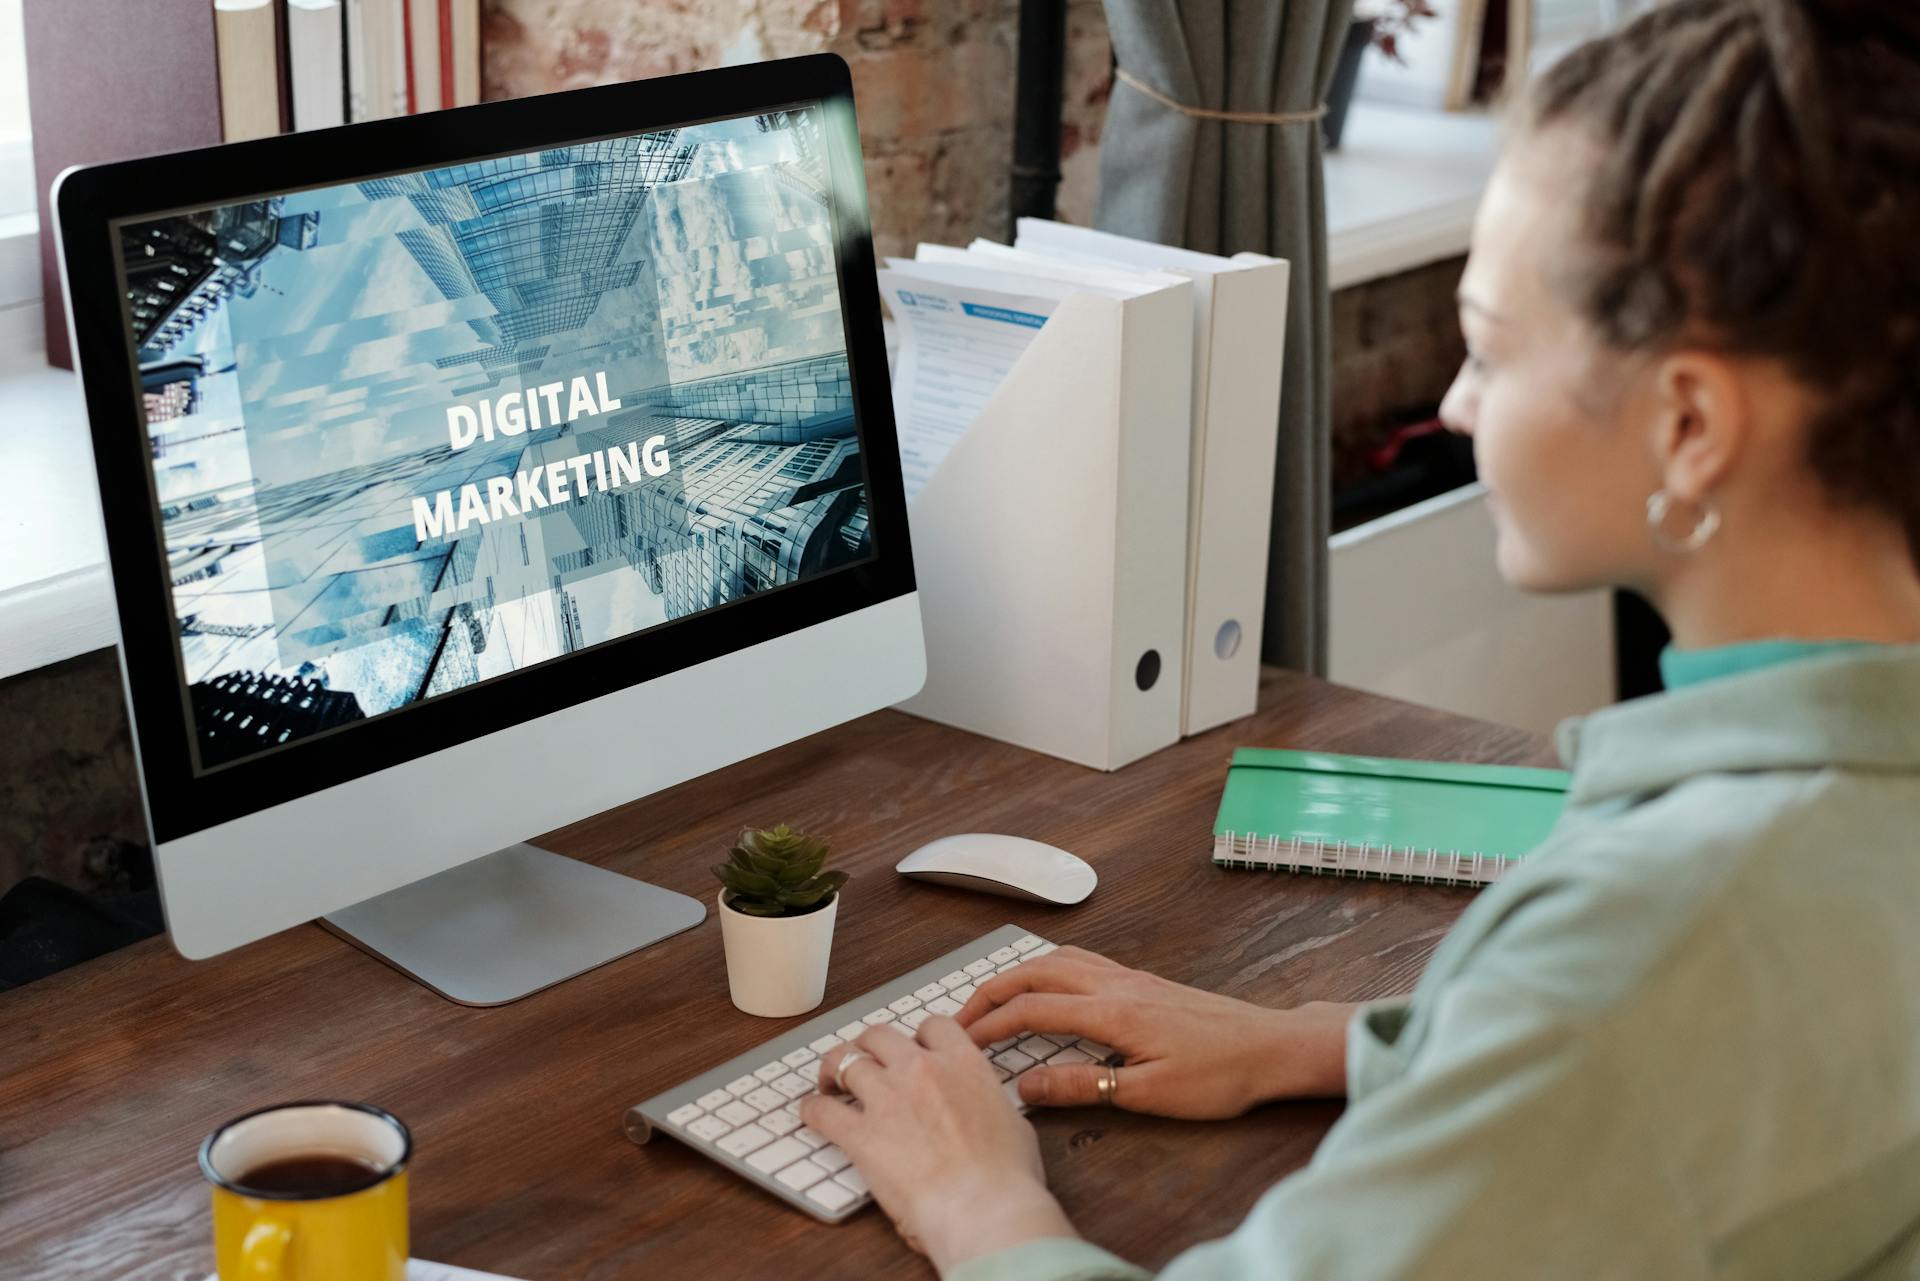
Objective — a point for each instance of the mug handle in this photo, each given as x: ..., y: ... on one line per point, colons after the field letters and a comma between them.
x: 263, y: 1249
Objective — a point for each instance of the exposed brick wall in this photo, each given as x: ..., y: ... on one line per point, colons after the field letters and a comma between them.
x: 933, y: 82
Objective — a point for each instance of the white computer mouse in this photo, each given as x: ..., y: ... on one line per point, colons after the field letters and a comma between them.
x: 1009, y: 865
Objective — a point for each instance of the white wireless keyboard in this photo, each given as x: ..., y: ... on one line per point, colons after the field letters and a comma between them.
x: 745, y: 1113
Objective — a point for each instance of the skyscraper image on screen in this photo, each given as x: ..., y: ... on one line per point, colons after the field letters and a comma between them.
x: 413, y: 433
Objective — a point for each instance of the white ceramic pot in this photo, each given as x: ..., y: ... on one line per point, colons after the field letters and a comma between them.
x: 777, y: 965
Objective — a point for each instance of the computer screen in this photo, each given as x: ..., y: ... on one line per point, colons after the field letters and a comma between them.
x: 414, y: 433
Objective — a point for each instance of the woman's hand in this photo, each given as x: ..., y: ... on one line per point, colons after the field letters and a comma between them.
x: 948, y: 1158
x: 1189, y: 1053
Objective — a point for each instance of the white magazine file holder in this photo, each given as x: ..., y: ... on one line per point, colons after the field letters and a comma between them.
x: 1050, y: 544
x: 1236, y: 435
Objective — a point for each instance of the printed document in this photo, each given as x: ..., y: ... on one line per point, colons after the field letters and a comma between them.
x: 957, y: 342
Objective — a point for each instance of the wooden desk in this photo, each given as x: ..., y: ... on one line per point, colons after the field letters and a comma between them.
x: 112, y: 1073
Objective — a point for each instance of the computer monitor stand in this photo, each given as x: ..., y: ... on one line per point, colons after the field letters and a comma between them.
x: 512, y: 922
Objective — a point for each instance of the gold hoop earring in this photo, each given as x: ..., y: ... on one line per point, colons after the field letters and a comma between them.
x: 1659, y: 504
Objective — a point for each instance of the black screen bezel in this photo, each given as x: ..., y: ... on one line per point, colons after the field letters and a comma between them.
x: 90, y: 203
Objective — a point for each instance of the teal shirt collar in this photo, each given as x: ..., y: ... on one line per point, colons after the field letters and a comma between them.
x: 1857, y: 707
x: 1682, y: 667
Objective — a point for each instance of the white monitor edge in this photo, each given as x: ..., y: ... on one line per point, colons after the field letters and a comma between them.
x: 254, y: 876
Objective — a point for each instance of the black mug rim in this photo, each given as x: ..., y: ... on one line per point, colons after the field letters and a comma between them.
x: 374, y: 1179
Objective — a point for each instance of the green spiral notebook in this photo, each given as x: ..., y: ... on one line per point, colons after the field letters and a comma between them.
x: 1285, y: 811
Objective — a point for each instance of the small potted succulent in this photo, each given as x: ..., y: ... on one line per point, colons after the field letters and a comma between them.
x: 777, y: 904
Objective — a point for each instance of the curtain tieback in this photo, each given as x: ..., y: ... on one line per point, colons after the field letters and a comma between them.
x: 1208, y: 113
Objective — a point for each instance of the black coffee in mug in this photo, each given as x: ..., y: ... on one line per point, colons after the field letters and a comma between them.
x: 308, y: 1176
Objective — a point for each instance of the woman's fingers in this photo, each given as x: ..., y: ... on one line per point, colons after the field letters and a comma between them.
x: 882, y: 1044
x: 834, y: 1117
x: 1052, y: 973
x: 941, y: 1033
x: 887, y: 1043
x: 1071, y: 1085
x: 1049, y: 1012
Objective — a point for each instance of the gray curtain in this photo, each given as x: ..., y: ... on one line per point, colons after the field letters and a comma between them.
x: 1223, y: 187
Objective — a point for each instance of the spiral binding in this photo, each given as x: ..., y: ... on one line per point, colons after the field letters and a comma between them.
x: 1253, y: 852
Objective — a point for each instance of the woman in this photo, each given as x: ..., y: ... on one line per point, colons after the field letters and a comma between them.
x: 1684, y: 1039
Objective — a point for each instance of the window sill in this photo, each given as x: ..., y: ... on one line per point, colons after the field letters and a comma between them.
x: 55, y: 598
x: 1402, y: 189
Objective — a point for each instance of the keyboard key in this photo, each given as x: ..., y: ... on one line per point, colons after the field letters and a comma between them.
x: 954, y: 980
x: 737, y: 1112
x: 776, y: 1156
x: 832, y: 1159
x: 1004, y: 1043
x: 810, y: 1136
x: 1072, y: 1054
x: 1026, y: 944
x: 708, y: 1128
x: 781, y: 1122
x: 1038, y: 1047
x: 799, y: 1056
x: 825, y: 1043
x: 1010, y: 965
x: 875, y: 1018
x: 914, y: 1018
x: 930, y: 991
x: 810, y: 1071
x: 1002, y: 1072
x: 851, y: 1032
x: 744, y: 1140
x: 1042, y: 950
x: 744, y: 1086
x: 793, y: 1085
x: 944, y: 1005
x: 852, y: 1180
x: 962, y: 994
x: 714, y: 1099
x: 1001, y: 955
x: 801, y: 1175
x: 1011, y: 1088
x: 905, y: 1005
x: 770, y: 1071
x: 1013, y: 1061
x: 685, y: 1113
x: 1097, y: 1050
x: 980, y: 967
x: 831, y: 1196
x: 766, y: 1100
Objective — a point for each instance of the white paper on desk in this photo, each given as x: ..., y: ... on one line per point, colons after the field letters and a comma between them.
x: 957, y: 343
x: 421, y: 1270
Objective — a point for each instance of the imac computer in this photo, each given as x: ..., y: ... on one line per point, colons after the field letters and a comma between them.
x: 467, y: 474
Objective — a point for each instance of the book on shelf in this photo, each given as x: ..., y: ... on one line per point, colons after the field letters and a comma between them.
x: 376, y: 59
x: 460, y: 50
x: 316, y: 40
x: 247, y: 43
x: 424, y: 90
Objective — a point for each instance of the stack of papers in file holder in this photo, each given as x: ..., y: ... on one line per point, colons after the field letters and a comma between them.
x: 1088, y: 427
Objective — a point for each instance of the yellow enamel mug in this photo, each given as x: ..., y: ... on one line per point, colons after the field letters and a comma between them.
x: 309, y: 1192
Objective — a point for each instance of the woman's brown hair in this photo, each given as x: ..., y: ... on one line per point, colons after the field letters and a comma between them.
x: 1758, y: 192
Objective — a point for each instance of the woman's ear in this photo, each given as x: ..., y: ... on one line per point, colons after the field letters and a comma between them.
x: 1702, y: 422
